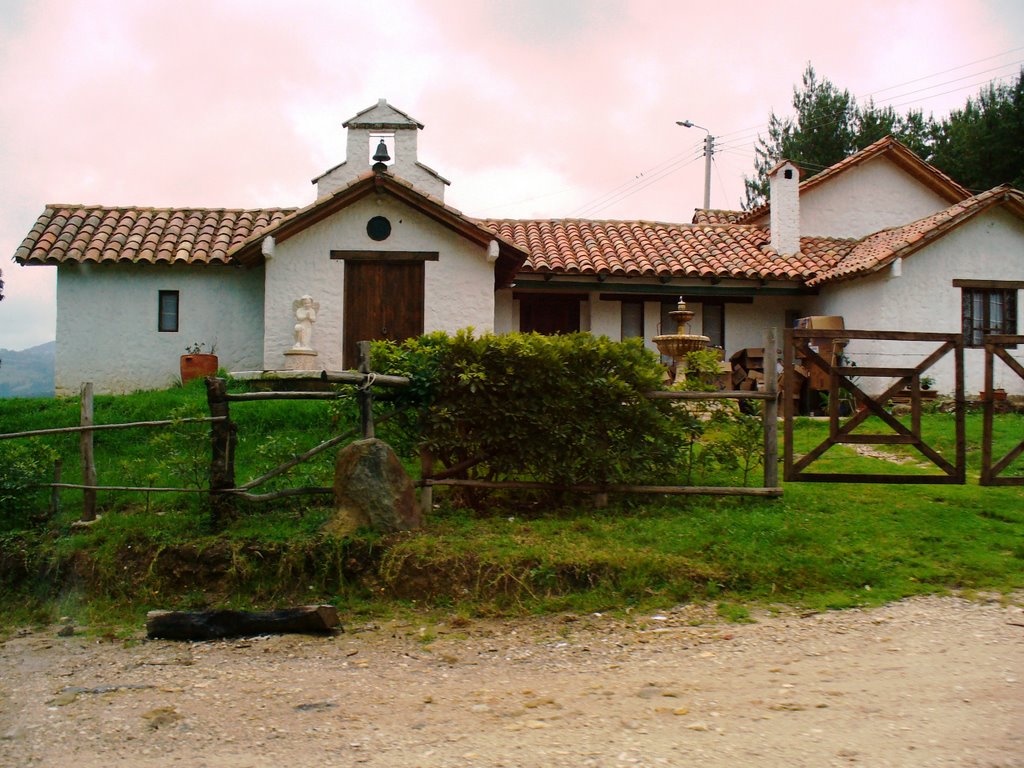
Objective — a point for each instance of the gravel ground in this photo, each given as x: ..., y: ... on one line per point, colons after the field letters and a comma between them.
x: 924, y: 682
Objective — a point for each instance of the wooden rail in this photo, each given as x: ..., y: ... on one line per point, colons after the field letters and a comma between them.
x: 101, y: 427
x: 797, y: 341
x: 996, y: 347
x: 770, y: 487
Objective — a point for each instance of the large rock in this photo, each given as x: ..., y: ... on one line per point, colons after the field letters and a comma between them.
x: 372, y: 489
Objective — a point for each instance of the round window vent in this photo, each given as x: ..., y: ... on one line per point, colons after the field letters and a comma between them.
x: 378, y: 228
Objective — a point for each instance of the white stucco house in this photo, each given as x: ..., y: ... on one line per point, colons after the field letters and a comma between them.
x: 882, y: 238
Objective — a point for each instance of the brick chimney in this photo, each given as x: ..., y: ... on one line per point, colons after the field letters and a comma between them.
x: 784, y: 197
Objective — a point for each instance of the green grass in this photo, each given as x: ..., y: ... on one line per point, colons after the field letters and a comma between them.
x: 820, y: 546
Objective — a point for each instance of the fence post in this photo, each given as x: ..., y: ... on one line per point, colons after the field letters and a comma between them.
x: 771, y: 409
x: 427, y: 491
x: 55, y: 491
x: 222, y: 444
x: 365, y: 393
x: 88, y: 459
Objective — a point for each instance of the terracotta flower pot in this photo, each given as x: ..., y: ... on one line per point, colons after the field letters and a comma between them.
x: 197, y: 366
x: 997, y: 394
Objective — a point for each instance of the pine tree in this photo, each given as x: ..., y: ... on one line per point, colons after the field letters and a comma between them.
x: 822, y: 133
x: 982, y: 145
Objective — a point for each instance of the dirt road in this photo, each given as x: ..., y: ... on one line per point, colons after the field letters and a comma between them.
x: 925, y: 682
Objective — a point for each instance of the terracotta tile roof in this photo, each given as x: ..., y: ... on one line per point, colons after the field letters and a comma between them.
x: 716, y: 216
x: 89, y: 233
x: 878, y: 250
x: 898, y: 153
x: 655, y: 249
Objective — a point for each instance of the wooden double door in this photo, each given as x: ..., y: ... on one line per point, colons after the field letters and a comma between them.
x: 383, y: 300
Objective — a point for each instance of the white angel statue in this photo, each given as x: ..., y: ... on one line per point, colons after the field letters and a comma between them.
x: 305, y: 315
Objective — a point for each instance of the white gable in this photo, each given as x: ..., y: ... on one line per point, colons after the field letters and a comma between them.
x: 866, y: 198
x: 458, y: 286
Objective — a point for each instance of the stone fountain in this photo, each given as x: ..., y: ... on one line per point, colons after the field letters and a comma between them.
x: 676, y: 345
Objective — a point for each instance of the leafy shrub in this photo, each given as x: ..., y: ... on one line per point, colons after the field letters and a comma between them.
x: 560, y: 409
x: 702, y: 370
x: 23, y: 465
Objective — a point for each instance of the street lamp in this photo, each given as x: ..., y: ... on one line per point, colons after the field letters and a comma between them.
x: 709, y: 150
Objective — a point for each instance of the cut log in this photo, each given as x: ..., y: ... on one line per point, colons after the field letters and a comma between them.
x: 212, y: 625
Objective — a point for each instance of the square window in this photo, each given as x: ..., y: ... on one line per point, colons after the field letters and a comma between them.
x: 167, y: 312
x: 549, y: 314
x: 988, y: 311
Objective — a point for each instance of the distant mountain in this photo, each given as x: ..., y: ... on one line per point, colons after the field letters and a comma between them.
x: 28, y: 372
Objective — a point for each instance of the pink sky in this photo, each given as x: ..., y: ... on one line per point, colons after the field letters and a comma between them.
x: 533, y: 108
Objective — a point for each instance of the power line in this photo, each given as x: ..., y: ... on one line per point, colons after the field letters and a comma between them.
x: 945, y: 71
x: 738, y: 142
x: 1015, y: 64
x: 640, y: 181
x: 833, y: 122
x: 751, y: 131
x: 528, y: 200
x: 655, y: 178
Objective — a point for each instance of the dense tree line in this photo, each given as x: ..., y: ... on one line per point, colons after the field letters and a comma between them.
x: 981, y: 145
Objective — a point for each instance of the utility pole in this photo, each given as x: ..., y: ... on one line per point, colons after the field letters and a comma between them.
x: 709, y: 151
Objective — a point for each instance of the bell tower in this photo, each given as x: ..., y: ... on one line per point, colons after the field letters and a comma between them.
x: 398, y: 132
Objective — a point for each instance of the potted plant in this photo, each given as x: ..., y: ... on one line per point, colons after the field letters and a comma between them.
x: 927, y: 382
x: 998, y: 393
x: 196, y: 363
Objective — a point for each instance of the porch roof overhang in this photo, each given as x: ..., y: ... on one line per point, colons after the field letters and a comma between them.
x: 717, y: 289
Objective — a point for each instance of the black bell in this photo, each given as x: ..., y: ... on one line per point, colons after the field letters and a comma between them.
x: 381, y: 155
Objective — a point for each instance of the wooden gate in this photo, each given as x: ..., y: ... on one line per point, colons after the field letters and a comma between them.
x: 995, y: 346
x: 841, y: 375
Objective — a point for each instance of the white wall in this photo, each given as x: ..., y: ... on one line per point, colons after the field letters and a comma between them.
x: 605, y: 317
x: 864, y: 199
x: 745, y: 324
x: 107, y: 323
x: 459, y: 287
x: 506, y: 311
x: 923, y: 299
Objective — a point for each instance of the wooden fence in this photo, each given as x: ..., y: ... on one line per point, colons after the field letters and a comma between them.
x: 86, y: 429
x: 223, y: 437
x: 223, y: 490
x: 770, y: 486
x: 996, y: 348
x: 842, y: 375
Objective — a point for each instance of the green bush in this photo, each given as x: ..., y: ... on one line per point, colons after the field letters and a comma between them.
x: 560, y: 409
x: 24, y: 464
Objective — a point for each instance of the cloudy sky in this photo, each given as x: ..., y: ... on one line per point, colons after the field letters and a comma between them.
x: 533, y: 108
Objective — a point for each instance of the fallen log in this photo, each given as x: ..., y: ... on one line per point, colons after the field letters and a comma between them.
x: 213, y: 625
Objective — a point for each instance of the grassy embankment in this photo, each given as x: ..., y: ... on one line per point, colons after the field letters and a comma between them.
x: 821, y: 545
